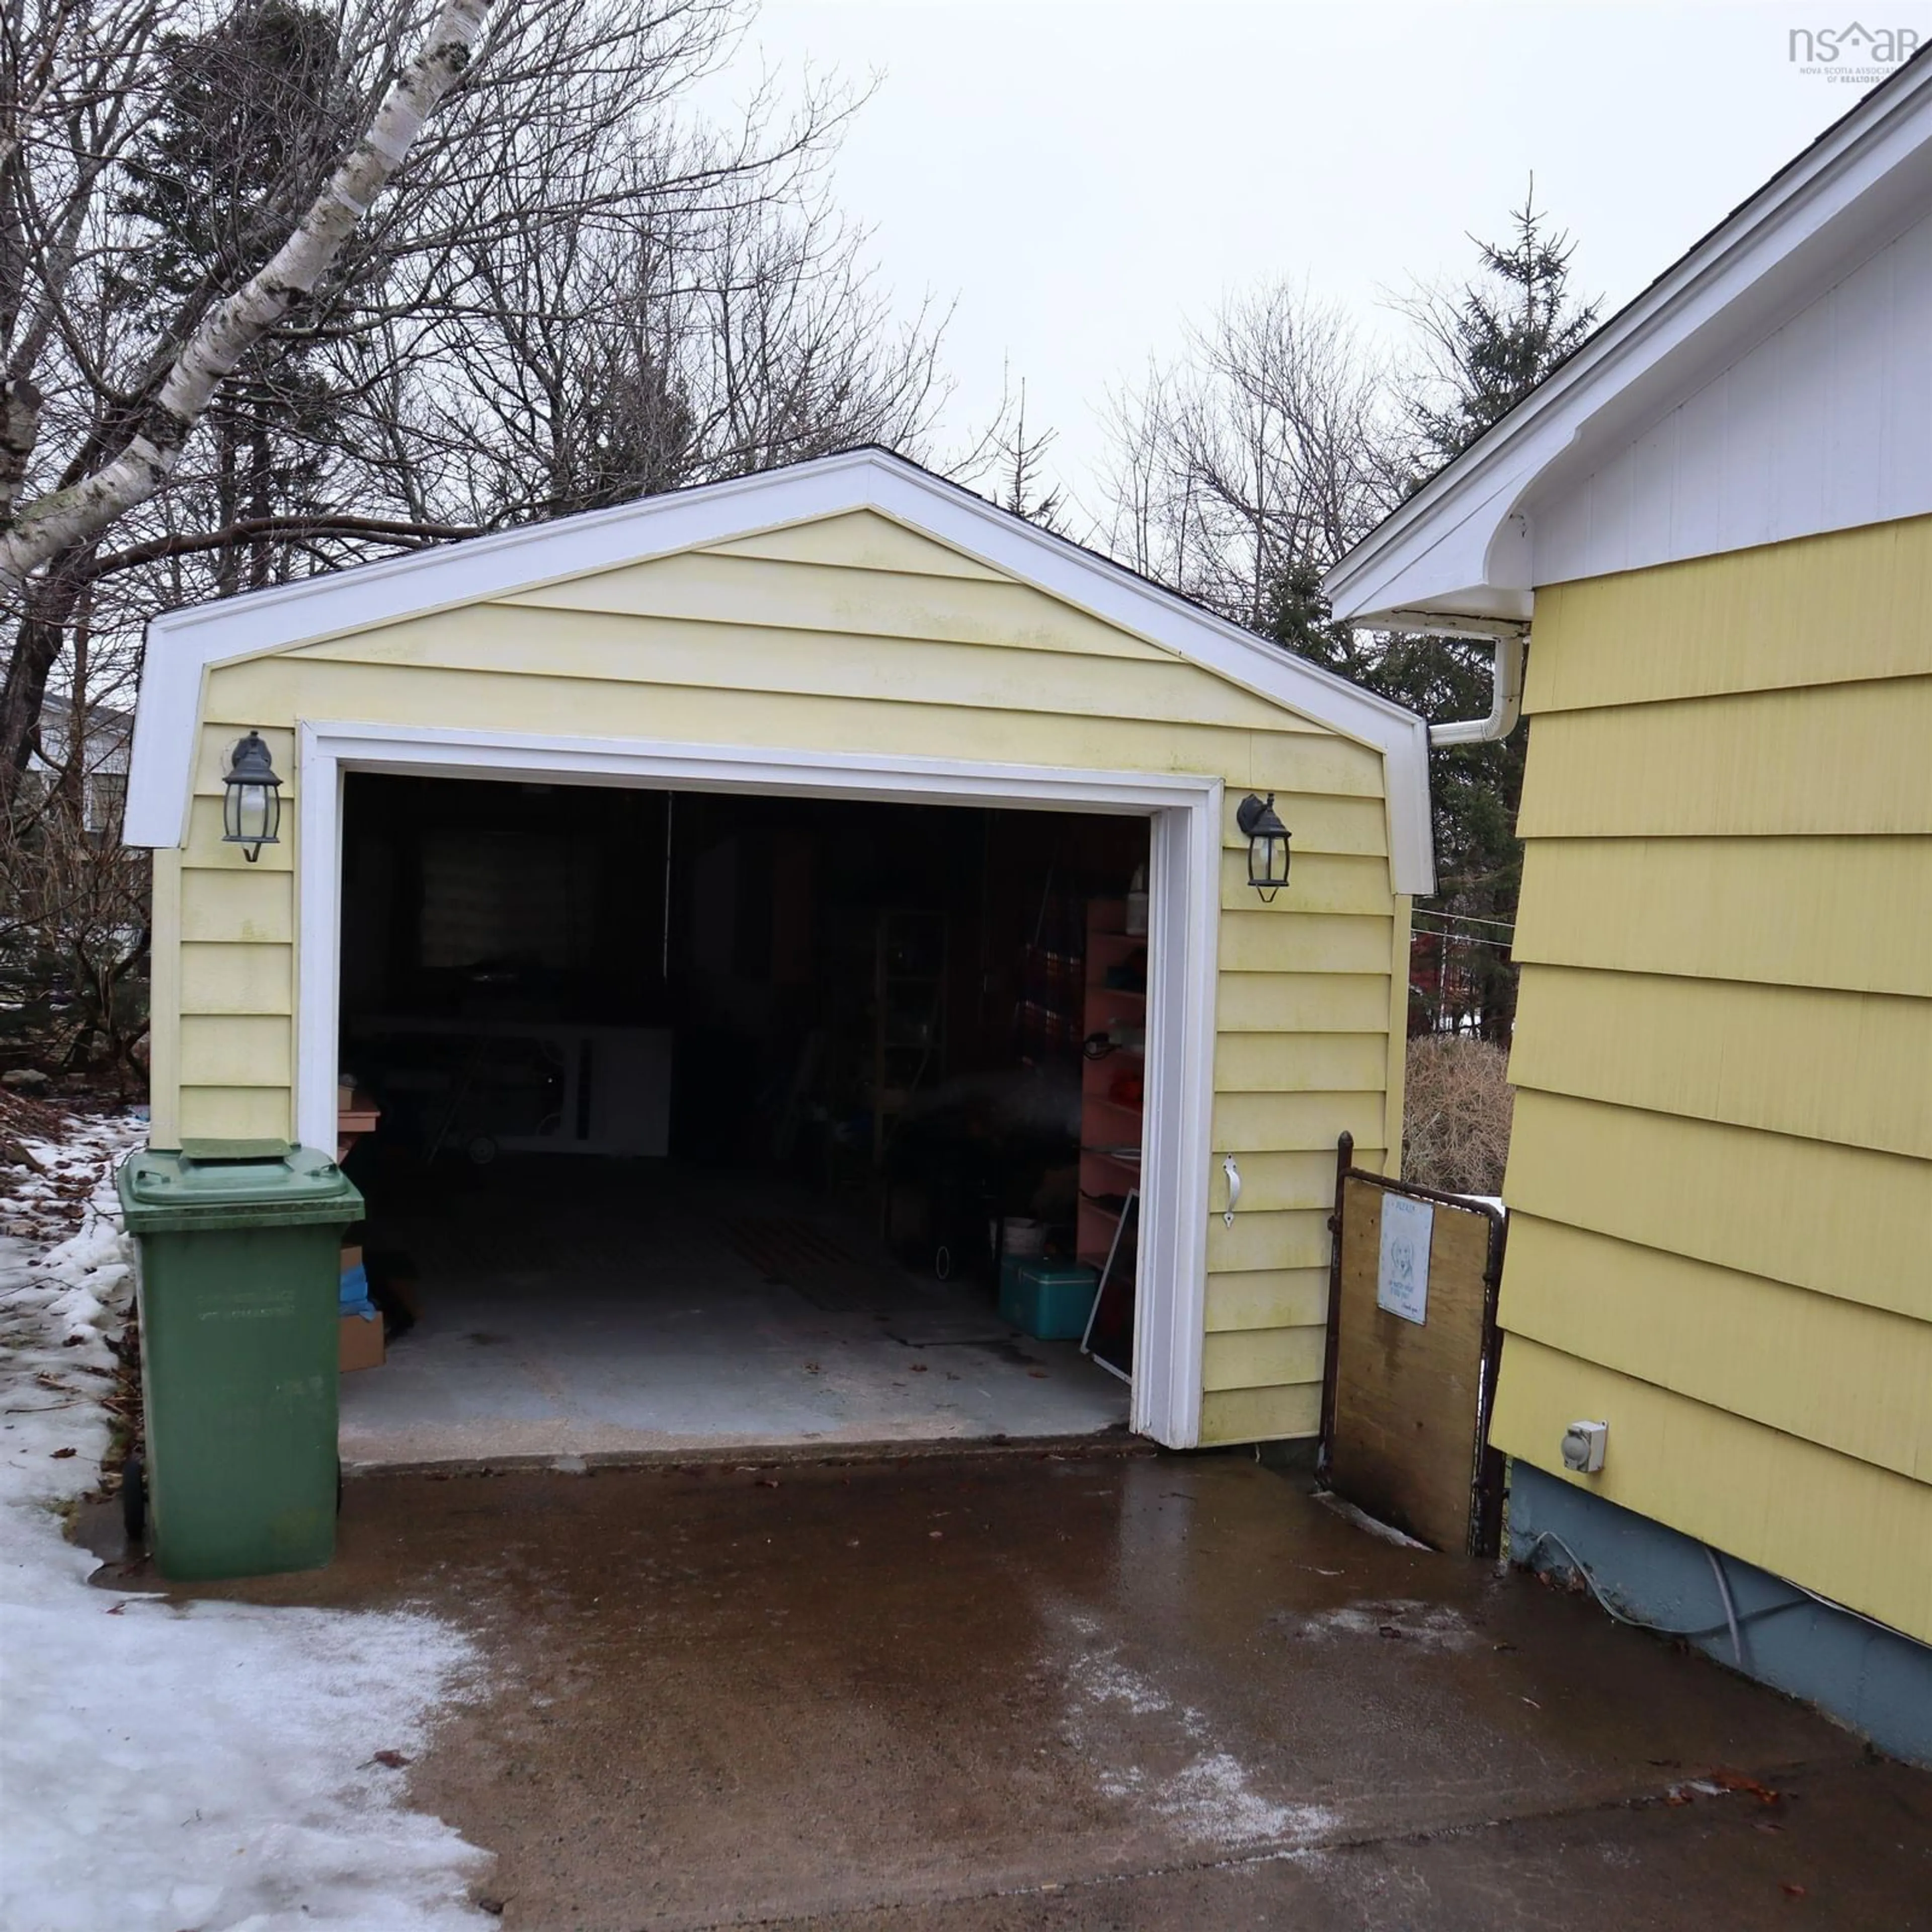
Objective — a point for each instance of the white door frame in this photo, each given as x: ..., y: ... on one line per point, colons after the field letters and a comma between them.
x: 1183, y: 895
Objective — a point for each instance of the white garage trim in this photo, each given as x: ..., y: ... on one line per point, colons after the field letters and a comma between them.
x: 1184, y: 893
x: 182, y: 645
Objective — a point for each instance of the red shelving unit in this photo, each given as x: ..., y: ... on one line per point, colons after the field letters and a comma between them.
x: 1112, y: 1087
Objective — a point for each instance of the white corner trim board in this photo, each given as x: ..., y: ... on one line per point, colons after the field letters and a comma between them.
x: 183, y: 645
x: 1184, y: 919
x: 1476, y: 539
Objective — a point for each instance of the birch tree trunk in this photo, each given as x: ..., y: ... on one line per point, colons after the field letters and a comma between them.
x: 63, y: 518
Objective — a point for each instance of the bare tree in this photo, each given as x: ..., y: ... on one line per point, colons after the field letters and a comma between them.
x: 1268, y: 447
x: 243, y: 343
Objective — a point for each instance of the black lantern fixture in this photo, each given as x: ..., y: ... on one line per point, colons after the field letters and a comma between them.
x: 1267, y: 845
x: 251, y: 804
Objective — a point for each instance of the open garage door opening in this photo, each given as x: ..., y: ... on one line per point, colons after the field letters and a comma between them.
x: 716, y: 1119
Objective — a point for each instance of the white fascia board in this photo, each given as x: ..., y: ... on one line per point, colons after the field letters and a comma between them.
x: 1421, y: 557
x: 183, y: 645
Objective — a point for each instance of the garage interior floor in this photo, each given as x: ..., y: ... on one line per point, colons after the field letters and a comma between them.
x: 614, y: 1311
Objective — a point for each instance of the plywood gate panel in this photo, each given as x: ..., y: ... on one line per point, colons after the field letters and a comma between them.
x: 1408, y: 1398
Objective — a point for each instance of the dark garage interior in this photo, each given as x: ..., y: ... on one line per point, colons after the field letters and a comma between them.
x: 709, y: 1117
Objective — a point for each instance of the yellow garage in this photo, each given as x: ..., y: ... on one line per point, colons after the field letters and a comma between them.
x: 781, y: 957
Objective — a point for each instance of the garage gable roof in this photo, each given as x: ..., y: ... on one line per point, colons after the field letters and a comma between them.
x: 183, y: 645
x: 1465, y: 546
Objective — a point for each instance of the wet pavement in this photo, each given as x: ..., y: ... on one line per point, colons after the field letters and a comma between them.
x: 965, y: 1692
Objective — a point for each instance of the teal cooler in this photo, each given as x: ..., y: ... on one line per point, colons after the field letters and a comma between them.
x: 1048, y: 1300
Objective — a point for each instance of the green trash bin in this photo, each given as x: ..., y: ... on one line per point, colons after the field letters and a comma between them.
x: 240, y: 1266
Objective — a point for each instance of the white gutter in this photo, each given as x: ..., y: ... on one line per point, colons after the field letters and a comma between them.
x: 1512, y: 643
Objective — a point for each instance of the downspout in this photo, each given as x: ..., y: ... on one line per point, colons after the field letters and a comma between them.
x: 1505, y: 702
x: 1512, y: 646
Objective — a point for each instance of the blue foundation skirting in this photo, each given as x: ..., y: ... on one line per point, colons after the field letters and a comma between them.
x: 1875, y: 1680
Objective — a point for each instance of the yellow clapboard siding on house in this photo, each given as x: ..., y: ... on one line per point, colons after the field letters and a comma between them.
x: 855, y: 635
x: 858, y: 540
x: 1260, y: 1238
x: 1260, y: 1415
x: 1825, y: 609
x: 1756, y: 764
x: 1320, y: 882
x: 238, y: 1049
x: 1843, y: 1221
x: 1279, y: 1063
x: 699, y: 585
x: 1295, y: 1003
x: 234, y: 1113
x: 1296, y: 1122
x: 1855, y: 914
x: 1276, y: 1181
x: 236, y: 978
x: 1259, y: 940
x: 1721, y: 1166
x: 1267, y: 1298
x: 164, y: 958
x: 1790, y: 1060
x: 1856, y: 1533
x: 301, y: 684
x: 1263, y: 1357
x: 1352, y: 825
x: 1858, y: 1380
x: 253, y: 907
x: 604, y: 648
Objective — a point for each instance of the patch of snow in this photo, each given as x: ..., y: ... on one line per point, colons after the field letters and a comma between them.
x: 1432, y: 1626
x: 204, y: 1769
x: 1211, y: 1797
x: 1361, y: 1519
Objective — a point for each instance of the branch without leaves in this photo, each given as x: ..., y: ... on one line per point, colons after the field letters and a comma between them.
x: 66, y: 517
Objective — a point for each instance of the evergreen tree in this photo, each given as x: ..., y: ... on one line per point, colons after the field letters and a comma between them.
x: 1493, y: 340
x: 247, y: 123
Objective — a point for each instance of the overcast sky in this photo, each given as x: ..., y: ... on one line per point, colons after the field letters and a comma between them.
x: 1082, y: 178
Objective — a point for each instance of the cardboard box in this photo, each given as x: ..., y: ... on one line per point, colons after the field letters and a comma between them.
x: 360, y: 1343
x: 352, y: 1255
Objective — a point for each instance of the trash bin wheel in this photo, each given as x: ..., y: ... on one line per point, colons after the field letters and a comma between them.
x: 134, y: 1497
x: 481, y: 1150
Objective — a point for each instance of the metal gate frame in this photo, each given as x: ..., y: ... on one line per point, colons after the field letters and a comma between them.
x: 1486, y: 1481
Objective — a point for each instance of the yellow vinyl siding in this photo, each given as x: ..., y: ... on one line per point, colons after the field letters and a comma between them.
x: 1268, y: 1297
x: 1855, y: 914
x: 1263, y: 1358
x: 858, y: 540
x: 1720, y: 1174
x: 1859, y: 1380
x: 1819, y: 610
x: 164, y: 984
x: 1261, y: 1415
x: 857, y: 635
x: 1852, y: 1531
x: 1806, y: 1061
x: 1793, y: 762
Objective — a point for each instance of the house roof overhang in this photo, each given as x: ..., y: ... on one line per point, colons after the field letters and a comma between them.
x: 1463, y: 547
x: 183, y: 645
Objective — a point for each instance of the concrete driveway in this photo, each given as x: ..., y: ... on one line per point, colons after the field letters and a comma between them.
x: 1015, y: 1690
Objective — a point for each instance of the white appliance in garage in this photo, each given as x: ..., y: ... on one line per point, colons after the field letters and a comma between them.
x: 528, y: 1086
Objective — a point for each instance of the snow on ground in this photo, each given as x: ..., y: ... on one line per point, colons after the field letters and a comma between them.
x: 168, y: 1768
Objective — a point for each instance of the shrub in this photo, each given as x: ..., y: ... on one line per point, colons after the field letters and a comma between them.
x: 1457, y: 1111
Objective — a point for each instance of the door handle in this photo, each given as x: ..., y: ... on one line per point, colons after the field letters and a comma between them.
x: 1232, y: 1171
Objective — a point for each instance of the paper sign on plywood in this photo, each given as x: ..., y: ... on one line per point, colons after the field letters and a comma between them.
x: 1402, y: 1281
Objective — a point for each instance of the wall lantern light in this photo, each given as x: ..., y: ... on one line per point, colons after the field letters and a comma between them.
x: 1267, y: 845
x: 251, y: 803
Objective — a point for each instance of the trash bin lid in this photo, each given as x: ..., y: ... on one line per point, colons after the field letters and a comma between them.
x: 218, y: 1183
